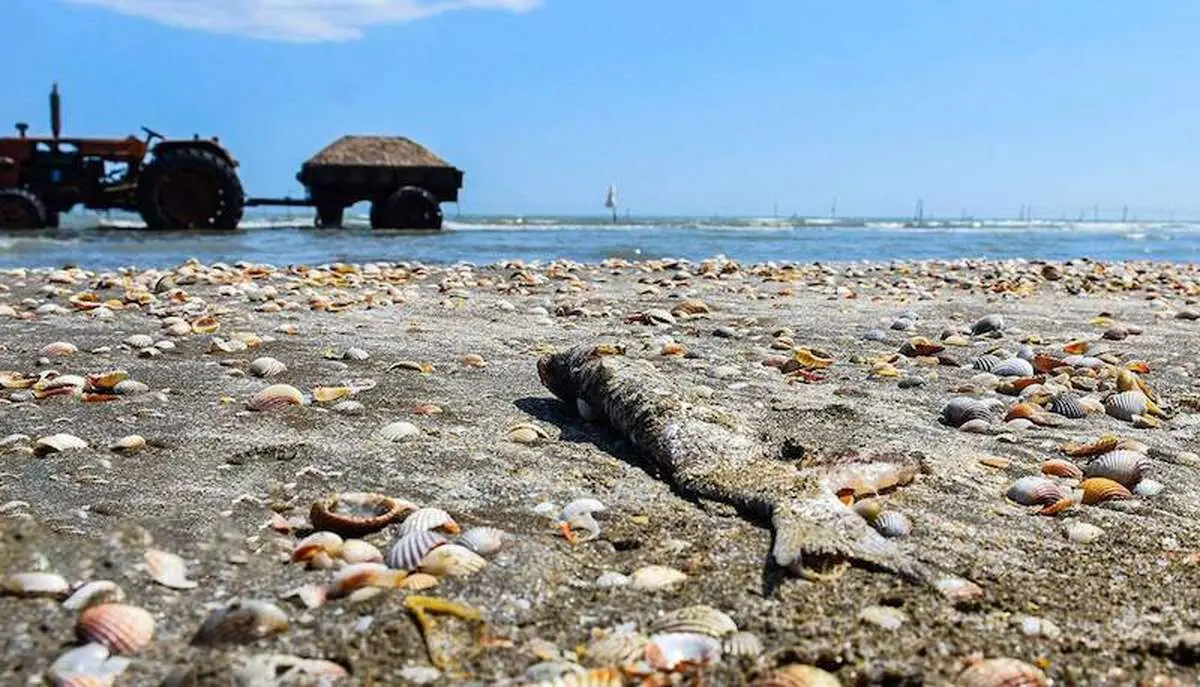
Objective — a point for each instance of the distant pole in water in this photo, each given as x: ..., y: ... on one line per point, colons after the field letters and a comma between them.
x: 610, y: 201
x: 1095, y: 213
x: 1124, y: 213
x: 775, y: 210
x: 833, y: 209
x: 920, y: 214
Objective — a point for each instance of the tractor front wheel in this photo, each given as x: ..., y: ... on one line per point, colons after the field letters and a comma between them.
x: 410, y: 207
x: 190, y: 188
x: 20, y: 209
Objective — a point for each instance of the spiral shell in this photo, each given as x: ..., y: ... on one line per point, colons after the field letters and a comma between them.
x: 327, y: 543
x: 700, y: 619
x: 797, y: 675
x: 424, y: 519
x: 266, y: 367
x: 1013, y: 367
x: 1125, y: 467
x: 168, y: 570
x: 398, y: 431
x: 452, y: 560
x: 122, y: 629
x: 892, y: 524
x: 1002, y: 672
x: 1068, y: 406
x: 411, y: 548
x: 1062, y: 468
x: 655, y: 577
x: 357, y: 514
x: 672, y: 650
x: 987, y: 324
x: 1036, y: 491
x: 241, y: 622
x: 1127, y: 405
x: 485, y: 540
x: 276, y: 396
x: 985, y: 363
x: 35, y: 584
x: 964, y: 409
x: 1101, y: 489
x: 617, y: 648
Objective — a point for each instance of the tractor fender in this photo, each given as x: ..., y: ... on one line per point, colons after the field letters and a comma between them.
x: 169, y: 147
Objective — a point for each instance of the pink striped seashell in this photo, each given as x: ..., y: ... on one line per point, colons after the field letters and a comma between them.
x: 424, y: 519
x: 1036, y: 491
x: 410, y: 549
x: 276, y: 396
x: 58, y: 348
x: 123, y: 629
x: 1002, y: 672
x: 1062, y: 468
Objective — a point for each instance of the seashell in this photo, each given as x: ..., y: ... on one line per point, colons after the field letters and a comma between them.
x: 1063, y: 504
x: 276, y: 396
x: 617, y: 648
x: 599, y: 677
x: 349, y: 408
x: 310, y: 595
x: 985, y: 363
x: 419, y: 581
x: 700, y: 619
x: 356, y: 514
x: 611, y: 579
x: 452, y: 560
x: 690, y: 306
x: 1127, y: 405
x: 1132, y: 445
x: 241, y: 622
x: 742, y: 645
x: 424, y: 519
x: 107, y: 380
x: 205, y: 325
x: 1076, y: 347
x: 1044, y: 364
x: 34, y: 584
x: 987, y: 324
x: 266, y: 367
x: 411, y: 548
x: 354, y: 353
x: 1013, y: 367
x: 673, y: 650
x: 1062, y: 468
x: 525, y: 433
x: 1001, y: 672
x: 1081, y: 532
x: 474, y: 360
x: 958, y: 590
x: 485, y: 540
x: 654, y: 578
x: 57, y: 443
x: 58, y: 348
x: 1125, y: 467
x: 920, y: 346
x: 362, y: 575
x: 327, y: 543
x: 325, y: 394
x: 892, y: 524
x: 1148, y: 487
x: 168, y: 570
x: 279, y: 669
x: 577, y: 515
x: 359, y: 551
x: 92, y: 593
x: 868, y: 509
x: 412, y: 365
x: 976, y: 426
x: 121, y: 628
x: 89, y: 665
x: 398, y: 431
x: 797, y: 675
x: 1067, y: 405
x: 1101, y: 489
x: 138, y: 341
x: 130, y: 387
x: 963, y: 409
x: 884, y: 617
x: 1104, y: 444
x: 1033, y: 413
x: 674, y: 348
x: 128, y: 444
x: 1036, y: 491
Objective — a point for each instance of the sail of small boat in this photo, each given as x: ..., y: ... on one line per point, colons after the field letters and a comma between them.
x: 610, y: 201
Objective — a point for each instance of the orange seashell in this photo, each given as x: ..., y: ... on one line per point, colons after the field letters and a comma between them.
x: 100, y: 398
x: 1045, y: 363
x: 1027, y: 411
x: 797, y: 675
x: 1139, y: 366
x: 1062, y: 468
x: 1058, y: 506
x: 356, y: 514
x: 1022, y: 382
x: 325, y: 394
x: 474, y: 360
x: 811, y: 359
x: 1104, y: 444
x: 1101, y: 489
x: 1076, y: 347
x: 673, y: 348
x: 107, y: 380
x: 123, y: 629
x: 205, y: 325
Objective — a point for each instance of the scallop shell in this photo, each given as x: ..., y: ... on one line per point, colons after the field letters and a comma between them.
x: 964, y: 409
x: 168, y: 570
x: 128, y: 444
x: 1127, y: 405
x: 356, y: 514
x: 1013, y: 367
x: 1002, y: 672
x: 985, y: 363
x: 241, y: 622
x: 1125, y: 467
x: 1068, y: 406
x: 673, y: 650
x: 797, y: 675
x: 93, y: 593
x: 121, y: 628
x: 56, y: 443
x: 266, y: 367
x: 276, y: 396
x: 1101, y: 489
x: 35, y: 584
x: 452, y: 560
x: 327, y: 543
x: 361, y: 575
x: 424, y: 519
x: 58, y: 348
x: 1036, y: 491
x: 987, y: 324
x: 359, y: 551
x: 485, y: 540
x: 742, y: 645
x: 656, y: 577
x: 892, y: 524
x: 617, y: 648
x: 700, y: 619
x: 411, y: 548
x: 398, y: 431
x: 1062, y: 468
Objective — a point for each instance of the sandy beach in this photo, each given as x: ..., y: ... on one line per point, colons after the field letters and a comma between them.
x: 824, y: 359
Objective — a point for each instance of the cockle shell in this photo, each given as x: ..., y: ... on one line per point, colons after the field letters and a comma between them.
x: 168, y: 570
x: 1036, y: 491
x: 57, y: 443
x: 700, y: 619
x: 1013, y: 367
x: 1001, y: 672
x: 1104, y: 444
x: 327, y: 543
x: 1062, y: 468
x: 35, y: 584
x: 58, y: 348
x: 241, y: 622
x: 1101, y: 489
x: 359, y: 551
x: 1127, y: 405
x: 672, y: 650
x: 92, y: 593
x: 963, y: 409
x: 410, y: 549
x: 128, y: 444
x: 986, y: 363
x: 485, y: 540
x: 797, y: 675
x: 656, y: 577
x: 452, y: 560
x: 617, y: 648
x: 89, y: 665
x: 892, y: 524
x: 356, y: 514
x: 398, y: 431
x: 276, y: 396
x: 266, y: 367
x: 361, y: 575
x: 742, y: 645
x: 1068, y: 406
x: 121, y: 628
x: 1126, y: 467
x: 988, y: 324
x: 424, y: 519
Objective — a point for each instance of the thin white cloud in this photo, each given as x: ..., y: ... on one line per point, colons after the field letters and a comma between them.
x: 296, y: 20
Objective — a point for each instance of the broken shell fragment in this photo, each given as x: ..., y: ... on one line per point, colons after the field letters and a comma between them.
x: 89, y: 665
x: 357, y: 514
x: 419, y: 581
x: 742, y: 645
x: 241, y: 622
x: 121, y: 628
x: 1104, y: 444
x: 93, y: 593
x: 276, y: 396
x: 168, y: 570
x: 451, y: 560
x: 34, y: 584
x: 359, y: 551
x: 362, y: 575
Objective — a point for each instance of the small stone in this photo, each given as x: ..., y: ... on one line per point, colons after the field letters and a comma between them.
x: 420, y: 675
x: 612, y: 579
x: 885, y: 617
x: 1082, y: 532
x: 1034, y: 627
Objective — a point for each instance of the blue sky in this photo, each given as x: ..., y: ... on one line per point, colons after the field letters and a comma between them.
x: 693, y: 107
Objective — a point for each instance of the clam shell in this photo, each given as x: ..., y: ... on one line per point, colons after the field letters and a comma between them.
x: 1068, y: 406
x: 276, y: 396
x: 357, y: 514
x: 987, y: 324
x: 452, y: 560
x: 1126, y: 405
x: 1036, y: 491
x: 1013, y: 367
x: 411, y: 548
x: 359, y: 551
x: 797, y: 675
x: 656, y: 577
x: 1002, y: 672
x: 398, y: 431
x: 742, y: 645
x: 485, y: 540
x: 35, y: 584
x: 964, y: 409
x: 985, y: 363
x: 266, y: 367
x: 92, y: 593
x: 700, y: 619
x: 128, y: 444
x: 168, y: 570
x: 241, y: 622
x: 1062, y: 468
x: 617, y: 648
x: 892, y: 524
x: 56, y: 443
x: 327, y: 543
x: 58, y: 348
x: 424, y: 519
x: 121, y: 628
x: 1126, y: 467
x: 1101, y: 489
x: 361, y: 575
x: 671, y: 650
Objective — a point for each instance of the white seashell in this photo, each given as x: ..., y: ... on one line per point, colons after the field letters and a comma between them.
x: 656, y: 577
x: 123, y: 629
x: 128, y: 444
x: 138, y: 341
x: 359, y: 551
x: 86, y: 665
x: 310, y: 595
x: 168, y: 570
x: 1126, y: 405
x: 241, y: 622
x: 452, y: 560
x: 1033, y: 491
x: 349, y: 407
x: 398, y: 431
x: 266, y: 367
x: 1148, y: 487
x: 359, y: 576
x: 165, y: 346
x: 485, y: 540
x: 93, y: 593
x: 409, y: 550
x: 742, y: 645
x: 612, y: 579
x: 424, y: 519
x: 578, y: 515
x: 35, y: 584
x: 327, y: 543
x: 1126, y: 467
x: 666, y: 651
x: 1082, y: 532
x: 617, y: 648
x: 1013, y: 367
x: 884, y: 617
x: 700, y: 619
x: 130, y: 387
x: 56, y: 443
x: 892, y: 524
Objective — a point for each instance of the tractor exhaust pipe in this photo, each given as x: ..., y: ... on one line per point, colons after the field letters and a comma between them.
x: 55, y: 112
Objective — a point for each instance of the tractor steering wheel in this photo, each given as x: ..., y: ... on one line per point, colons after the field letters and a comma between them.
x: 151, y: 135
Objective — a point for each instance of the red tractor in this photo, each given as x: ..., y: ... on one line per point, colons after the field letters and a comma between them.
x: 183, y: 184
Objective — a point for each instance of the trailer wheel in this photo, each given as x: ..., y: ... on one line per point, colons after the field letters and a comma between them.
x: 329, y: 216
x: 20, y: 209
x: 410, y: 207
x: 190, y: 188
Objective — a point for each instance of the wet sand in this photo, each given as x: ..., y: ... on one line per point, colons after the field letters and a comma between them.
x: 1119, y: 609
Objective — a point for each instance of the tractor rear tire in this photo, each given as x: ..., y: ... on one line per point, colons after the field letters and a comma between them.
x: 20, y: 209
x: 189, y: 188
x: 410, y: 207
